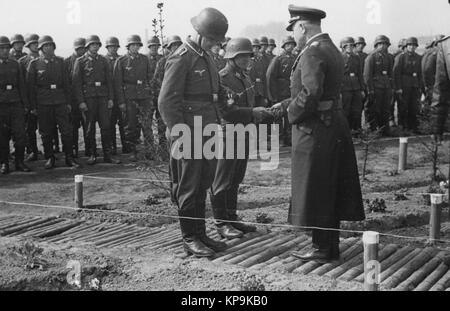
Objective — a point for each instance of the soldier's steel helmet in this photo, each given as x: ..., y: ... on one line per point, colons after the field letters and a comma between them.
x: 112, y: 41
x: 402, y: 43
x: 17, y: 38
x: 134, y: 39
x: 381, y: 39
x: 287, y: 40
x: 211, y: 23
x: 4, y: 41
x: 347, y: 41
x: 237, y: 46
x: 30, y: 39
x: 411, y: 41
x: 92, y: 39
x: 360, y: 40
x: 272, y: 43
x: 172, y: 40
x: 79, y: 43
x: 255, y: 42
x: 264, y: 41
x: 153, y: 41
x: 46, y: 40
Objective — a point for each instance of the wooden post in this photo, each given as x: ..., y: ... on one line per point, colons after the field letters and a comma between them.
x: 371, y: 264
x: 402, y: 154
x: 435, y: 217
x: 79, y: 191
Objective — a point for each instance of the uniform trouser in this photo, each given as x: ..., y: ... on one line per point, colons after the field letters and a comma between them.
x: 56, y: 131
x: 98, y: 112
x: 379, y: 109
x: 408, y: 108
x: 162, y: 141
x: 51, y: 116
x: 12, y: 124
x: 31, y: 128
x: 224, y: 192
x: 136, y: 116
x: 191, y: 178
x: 145, y: 113
x: 77, y: 121
x: 116, y: 119
x: 327, y: 240
x: 353, y: 106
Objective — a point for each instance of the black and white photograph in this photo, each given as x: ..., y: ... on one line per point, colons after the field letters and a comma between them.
x: 224, y: 151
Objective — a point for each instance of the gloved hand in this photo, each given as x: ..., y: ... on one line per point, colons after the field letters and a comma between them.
x: 83, y: 107
x: 260, y: 114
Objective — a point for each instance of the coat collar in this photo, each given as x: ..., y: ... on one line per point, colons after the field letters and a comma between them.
x: 194, y: 47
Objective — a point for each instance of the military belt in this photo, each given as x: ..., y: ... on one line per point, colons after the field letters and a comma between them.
x: 137, y: 82
x: 201, y: 97
x: 50, y: 86
x: 7, y: 87
x: 352, y: 74
x: 96, y: 83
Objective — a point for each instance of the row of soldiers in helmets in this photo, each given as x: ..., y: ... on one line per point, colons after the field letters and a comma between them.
x: 39, y: 90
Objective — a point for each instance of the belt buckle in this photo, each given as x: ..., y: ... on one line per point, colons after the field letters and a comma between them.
x: 352, y: 74
x: 258, y: 80
x: 215, y: 98
x: 98, y: 84
x: 139, y: 82
x: 9, y: 87
x: 414, y: 74
x: 384, y: 73
x: 53, y: 87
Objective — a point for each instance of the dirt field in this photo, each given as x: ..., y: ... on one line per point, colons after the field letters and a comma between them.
x: 263, y: 198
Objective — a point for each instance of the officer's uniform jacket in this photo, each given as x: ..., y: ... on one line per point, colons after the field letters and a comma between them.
x: 441, y: 93
x: 378, y: 71
x: 132, y: 78
x: 48, y: 82
x: 190, y: 88
x: 279, y: 77
x: 92, y: 77
x: 353, y: 80
x: 12, y: 83
x: 408, y: 71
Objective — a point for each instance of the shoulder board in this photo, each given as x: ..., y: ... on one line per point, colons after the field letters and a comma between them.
x: 182, y: 51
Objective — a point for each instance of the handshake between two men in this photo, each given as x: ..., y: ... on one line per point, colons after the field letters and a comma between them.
x: 268, y: 115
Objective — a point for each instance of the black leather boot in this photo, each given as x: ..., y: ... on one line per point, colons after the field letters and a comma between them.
x: 319, y: 255
x: 92, y: 160
x: 71, y: 162
x: 4, y: 169
x: 50, y: 163
x: 243, y: 227
x: 194, y: 246
x: 215, y: 245
x: 21, y: 167
x: 229, y: 232
x: 108, y: 158
x: 32, y: 157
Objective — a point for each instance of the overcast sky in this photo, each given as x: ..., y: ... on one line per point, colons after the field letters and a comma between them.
x: 67, y: 19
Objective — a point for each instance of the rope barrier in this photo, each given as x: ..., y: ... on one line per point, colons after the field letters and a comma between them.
x: 212, y: 220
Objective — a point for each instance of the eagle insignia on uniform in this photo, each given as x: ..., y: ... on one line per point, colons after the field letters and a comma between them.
x: 200, y: 72
x: 40, y: 72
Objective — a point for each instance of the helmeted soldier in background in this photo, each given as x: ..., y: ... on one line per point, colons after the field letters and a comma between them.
x: 272, y: 45
x: 76, y: 118
x: 230, y: 172
x: 173, y: 43
x: 49, y: 88
x: 112, y: 45
x: 132, y: 80
x: 396, y: 98
x: 352, y: 85
x: 153, y: 55
x: 191, y: 89
x: 257, y: 71
x: 378, y: 76
x: 429, y: 69
x: 264, y: 42
x: 215, y: 55
x: 401, y: 48
x: 93, y: 84
x: 17, y: 44
x: 31, y: 42
x: 408, y: 84
x: 224, y: 46
x: 360, y: 44
x: 13, y: 107
x: 279, y: 82
x: 441, y: 94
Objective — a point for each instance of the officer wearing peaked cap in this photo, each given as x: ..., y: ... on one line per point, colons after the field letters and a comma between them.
x: 77, y: 121
x: 31, y: 42
x: 325, y: 181
x: 17, y: 44
x: 191, y: 89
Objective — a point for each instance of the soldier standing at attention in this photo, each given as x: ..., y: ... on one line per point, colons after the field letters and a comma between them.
x: 49, y: 87
x: 93, y: 84
x: 112, y: 46
x: 76, y: 118
x: 429, y: 69
x: 17, y: 43
x: 396, y: 98
x: 191, y: 89
x: 270, y: 48
x: 360, y: 44
x: 13, y: 107
x: 325, y: 182
x: 231, y: 172
x: 257, y: 72
x: 353, y: 85
x: 173, y: 43
x: 31, y: 42
x: 441, y: 93
x: 378, y: 76
x: 264, y: 41
x: 408, y: 85
x: 279, y: 83
x: 132, y: 78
